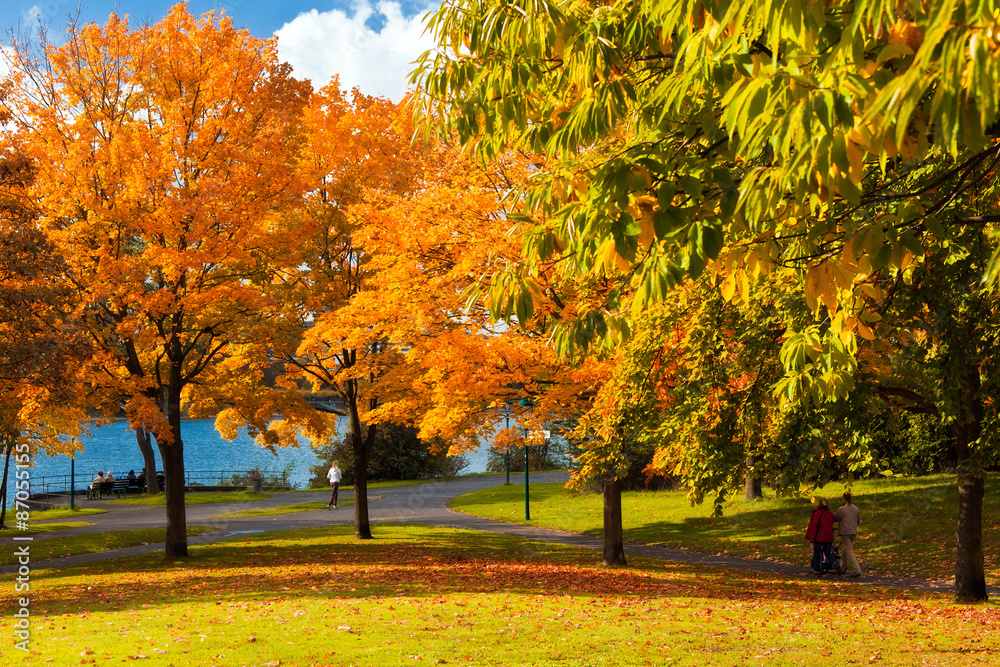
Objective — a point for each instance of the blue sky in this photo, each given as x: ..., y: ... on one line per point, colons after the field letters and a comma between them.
x: 367, y: 42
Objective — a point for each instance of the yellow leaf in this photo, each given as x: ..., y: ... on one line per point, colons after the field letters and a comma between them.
x: 906, y: 32
x: 849, y: 256
x: 608, y: 254
x: 857, y: 160
x: 753, y: 261
x: 623, y: 264
x: 743, y: 282
x: 728, y: 287
x: 821, y: 286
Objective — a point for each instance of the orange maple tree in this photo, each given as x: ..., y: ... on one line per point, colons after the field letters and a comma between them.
x: 163, y: 155
x: 463, y: 375
x: 462, y: 370
x: 375, y: 305
x: 36, y: 342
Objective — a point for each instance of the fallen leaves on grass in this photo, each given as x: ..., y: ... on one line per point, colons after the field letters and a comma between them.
x: 272, y: 568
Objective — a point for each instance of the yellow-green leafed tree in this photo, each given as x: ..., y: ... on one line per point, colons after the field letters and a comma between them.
x: 839, y: 140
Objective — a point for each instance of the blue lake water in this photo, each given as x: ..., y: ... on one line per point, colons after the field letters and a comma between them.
x: 113, y: 447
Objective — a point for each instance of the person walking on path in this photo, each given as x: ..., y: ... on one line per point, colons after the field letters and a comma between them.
x: 848, y: 518
x: 334, y: 476
x: 820, y: 535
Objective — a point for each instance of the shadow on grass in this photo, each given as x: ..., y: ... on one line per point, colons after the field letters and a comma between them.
x: 900, y: 519
x: 410, y: 560
x: 908, y: 524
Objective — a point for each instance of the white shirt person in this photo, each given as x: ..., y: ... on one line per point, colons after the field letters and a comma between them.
x: 334, y: 476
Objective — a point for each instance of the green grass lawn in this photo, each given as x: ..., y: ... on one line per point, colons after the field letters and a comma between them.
x: 61, y: 513
x: 36, y: 528
x: 290, y: 509
x: 206, y: 498
x: 284, y: 509
x: 419, y: 595
x: 48, y: 516
x: 58, y: 547
x: 392, y: 483
x: 908, y: 524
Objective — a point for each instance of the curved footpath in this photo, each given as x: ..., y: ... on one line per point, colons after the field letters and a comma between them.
x: 419, y: 503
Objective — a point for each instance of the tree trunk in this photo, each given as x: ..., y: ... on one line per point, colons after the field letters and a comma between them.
x: 751, y: 483
x: 970, y: 577
x: 614, y: 541
x: 172, y: 456
x: 361, y: 446
x: 141, y: 434
x: 362, y: 526
x: 148, y: 461
x: 3, y: 484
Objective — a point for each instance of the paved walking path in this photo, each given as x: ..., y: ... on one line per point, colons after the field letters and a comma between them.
x: 420, y: 503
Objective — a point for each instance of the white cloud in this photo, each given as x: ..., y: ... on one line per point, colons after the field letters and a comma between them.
x: 318, y: 45
x: 34, y: 14
x: 44, y: 19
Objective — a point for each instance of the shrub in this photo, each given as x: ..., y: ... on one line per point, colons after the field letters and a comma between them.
x: 271, y: 479
x: 911, y: 444
x: 549, y: 456
x: 926, y: 449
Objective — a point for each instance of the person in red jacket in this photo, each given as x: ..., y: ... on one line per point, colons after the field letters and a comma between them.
x: 820, y: 535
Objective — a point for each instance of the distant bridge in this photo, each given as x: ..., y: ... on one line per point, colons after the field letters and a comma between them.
x: 333, y: 404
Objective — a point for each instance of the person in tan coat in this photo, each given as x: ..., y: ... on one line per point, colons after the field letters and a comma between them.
x: 848, y: 518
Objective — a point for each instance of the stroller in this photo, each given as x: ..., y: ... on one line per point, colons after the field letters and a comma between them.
x: 826, y: 568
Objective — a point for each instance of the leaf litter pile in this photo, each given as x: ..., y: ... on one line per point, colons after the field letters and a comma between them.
x: 440, y: 596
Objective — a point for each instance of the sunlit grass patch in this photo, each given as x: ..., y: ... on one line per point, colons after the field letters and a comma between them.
x: 37, y: 528
x: 320, y: 597
x: 36, y: 517
x: 283, y: 509
x: 901, y: 519
x: 195, y: 498
x: 62, y: 513
x: 289, y: 509
x: 58, y: 547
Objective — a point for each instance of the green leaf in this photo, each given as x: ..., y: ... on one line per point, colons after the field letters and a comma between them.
x: 667, y: 222
x: 711, y: 241
x: 727, y: 203
x: 693, y: 186
x: 992, y: 268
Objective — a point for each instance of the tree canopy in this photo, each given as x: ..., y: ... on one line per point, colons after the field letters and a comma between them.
x: 838, y: 145
x: 715, y: 232
x: 161, y: 156
x: 823, y: 136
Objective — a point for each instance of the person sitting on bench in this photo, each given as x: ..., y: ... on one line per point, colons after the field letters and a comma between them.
x: 95, y: 487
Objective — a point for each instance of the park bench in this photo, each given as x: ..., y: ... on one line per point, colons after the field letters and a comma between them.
x: 122, y: 487
x: 102, y: 489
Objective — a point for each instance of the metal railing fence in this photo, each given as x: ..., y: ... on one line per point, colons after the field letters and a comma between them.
x: 61, y: 484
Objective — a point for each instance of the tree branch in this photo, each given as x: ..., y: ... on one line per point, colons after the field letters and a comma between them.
x: 917, y: 403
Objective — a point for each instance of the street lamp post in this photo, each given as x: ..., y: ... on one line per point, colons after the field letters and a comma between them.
x: 506, y: 454
x: 527, y: 402
x: 527, y: 503
x: 72, y: 480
